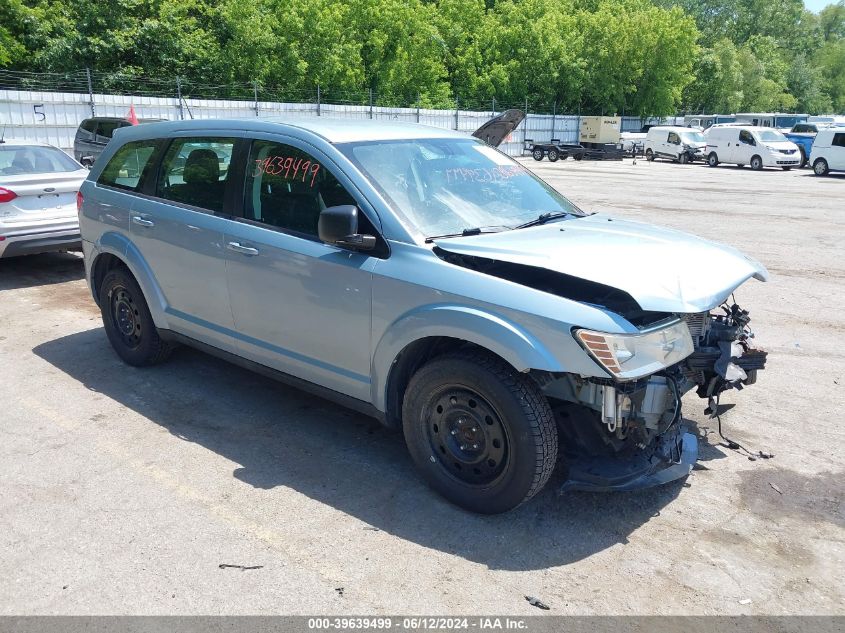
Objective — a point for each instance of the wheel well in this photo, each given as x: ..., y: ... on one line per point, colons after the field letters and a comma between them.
x: 103, y: 264
x: 409, y: 360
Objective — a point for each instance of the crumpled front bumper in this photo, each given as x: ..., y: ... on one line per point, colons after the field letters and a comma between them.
x: 673, y: 457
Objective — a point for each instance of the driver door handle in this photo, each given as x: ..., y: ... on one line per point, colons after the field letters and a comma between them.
x: 140, y: 221
x: 243, y: 250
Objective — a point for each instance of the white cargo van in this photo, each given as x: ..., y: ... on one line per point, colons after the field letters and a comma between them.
x: 750, y: 145
x: 682, y: 144
x: 828, y: 151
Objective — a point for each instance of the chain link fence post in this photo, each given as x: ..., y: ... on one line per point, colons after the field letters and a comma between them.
x: 179, y: 97
x: 418, y: 107
x: 371, y: 103
x: 457, y: 111
x: 318, y: 99
x: 90, y: 91
x: 255, y: 94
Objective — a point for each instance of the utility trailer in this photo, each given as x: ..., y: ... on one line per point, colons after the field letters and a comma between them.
x: 554, y: 150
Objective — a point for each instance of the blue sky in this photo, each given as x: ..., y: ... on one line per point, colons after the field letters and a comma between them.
x: 817, y: 5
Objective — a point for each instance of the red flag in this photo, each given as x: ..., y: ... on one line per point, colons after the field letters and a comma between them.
x: 131, y: 116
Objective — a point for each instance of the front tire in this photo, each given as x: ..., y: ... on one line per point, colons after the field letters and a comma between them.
x: 553, y: 155
x: 804, y: 158
x: 481, y: 433
x: 683, y: 159
x: 820, y: 167
x: 786, y: 168
x: 713, y: 160
x: 537, y: 154
x: 649, y: 155
x: 756, y: 163
x: 127, y: 320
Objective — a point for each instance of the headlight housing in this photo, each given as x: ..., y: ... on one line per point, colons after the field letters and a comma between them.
x: 632, y: 356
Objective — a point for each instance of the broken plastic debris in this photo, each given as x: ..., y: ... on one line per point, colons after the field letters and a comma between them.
x: 745, y: 601
x: 241, y: 567
x: 775, y: 488
x: 534, y: 602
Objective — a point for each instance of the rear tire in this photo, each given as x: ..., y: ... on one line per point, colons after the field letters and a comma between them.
x: 804, y: 158
x: 820, y: 167
x: 480, y: 433
x: 127, y: 320
x: 713, y: 160
x: 537, y: 154
x: 553, y: 155
x: 756, y: 163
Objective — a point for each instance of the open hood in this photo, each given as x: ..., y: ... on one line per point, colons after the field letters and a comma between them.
x: 497, y: 129
x: 663, y: 270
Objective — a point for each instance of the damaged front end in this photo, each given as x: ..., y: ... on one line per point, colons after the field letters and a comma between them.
x: 625, y: 432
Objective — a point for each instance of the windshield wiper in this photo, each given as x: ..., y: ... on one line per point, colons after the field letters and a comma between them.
x: 477, y: 230
x: 543, y: 218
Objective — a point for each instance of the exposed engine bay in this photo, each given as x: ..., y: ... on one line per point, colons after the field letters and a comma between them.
x: 602, y: 420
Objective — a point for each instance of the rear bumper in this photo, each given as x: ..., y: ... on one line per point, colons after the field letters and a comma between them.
x: 31, y: 242
x: 672, y: 458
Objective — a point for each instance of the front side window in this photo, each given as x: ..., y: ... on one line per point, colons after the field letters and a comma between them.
x: 674, y: 138
x: 287, y: 188
x: 194, y: 172
x: 34, y: 159
x: 128, y: 165
x: 443, y: 186
x: 745, y: 137
x: 838, y: 140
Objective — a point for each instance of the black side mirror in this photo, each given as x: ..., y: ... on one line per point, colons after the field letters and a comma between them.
x: 339, y: 226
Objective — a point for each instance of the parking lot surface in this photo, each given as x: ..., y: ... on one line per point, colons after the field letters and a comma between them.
x: 123, y: 490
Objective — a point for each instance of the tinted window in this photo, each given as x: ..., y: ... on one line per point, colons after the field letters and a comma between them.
x: 838, y: 140
x: 745, y: 137
x: 89, y: 125
x: 34, y: 159
x: 287, y: 188
x: 194, y: 172
x: 106, y: 129
x: 128, y: 165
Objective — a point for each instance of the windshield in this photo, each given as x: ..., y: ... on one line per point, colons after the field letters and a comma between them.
x: 771, y: 136
x: 693, y: 137
x: 445, y: 186
x: 34, y: 159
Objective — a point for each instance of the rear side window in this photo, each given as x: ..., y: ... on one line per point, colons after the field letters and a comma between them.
x: 128, y: 165
x: 838, y: 140
x: 194, y: 172
x: 286, y: 188
x: 89, y: 125
x: 105, y: 130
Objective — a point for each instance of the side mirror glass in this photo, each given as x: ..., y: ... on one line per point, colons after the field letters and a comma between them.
x: 339, y: 226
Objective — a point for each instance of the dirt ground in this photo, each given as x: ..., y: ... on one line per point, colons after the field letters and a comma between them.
x: 122, y: 491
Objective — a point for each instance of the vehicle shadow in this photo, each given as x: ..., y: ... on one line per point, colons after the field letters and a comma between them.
x: 40, y: 270
x: 284, y: 437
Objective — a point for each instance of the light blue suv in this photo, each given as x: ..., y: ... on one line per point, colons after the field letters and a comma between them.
x: 425, y: 278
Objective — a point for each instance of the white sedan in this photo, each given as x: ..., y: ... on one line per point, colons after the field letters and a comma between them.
x: 38, y: 187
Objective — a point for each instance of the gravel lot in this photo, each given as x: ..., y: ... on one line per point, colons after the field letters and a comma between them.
x: 123, y: 490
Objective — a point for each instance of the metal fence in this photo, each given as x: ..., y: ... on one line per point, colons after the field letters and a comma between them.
x: 49, y: 106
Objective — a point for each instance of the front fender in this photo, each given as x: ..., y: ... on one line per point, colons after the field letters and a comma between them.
x: 490, y: 331
x: 122, y: 247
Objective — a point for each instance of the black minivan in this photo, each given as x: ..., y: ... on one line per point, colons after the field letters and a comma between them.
x: 93, y: 135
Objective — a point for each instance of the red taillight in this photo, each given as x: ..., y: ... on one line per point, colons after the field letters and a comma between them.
x: 7, y: 195
x: 79, y: 201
